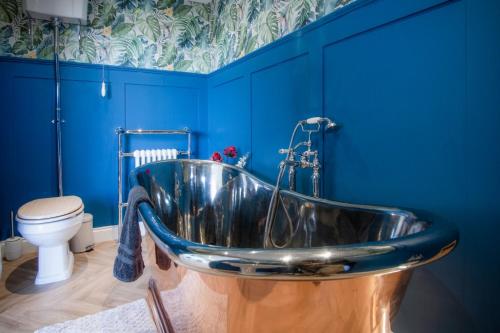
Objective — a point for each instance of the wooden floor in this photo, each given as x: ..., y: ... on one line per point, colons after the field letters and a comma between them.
x: 25, y: 307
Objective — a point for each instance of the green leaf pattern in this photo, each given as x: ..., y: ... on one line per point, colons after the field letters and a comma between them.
x: 161, y: 34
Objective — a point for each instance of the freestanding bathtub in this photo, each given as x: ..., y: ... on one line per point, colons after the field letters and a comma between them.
x: 334, y: 267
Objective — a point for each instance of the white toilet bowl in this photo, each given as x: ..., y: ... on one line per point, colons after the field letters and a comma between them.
x: 49, y: 224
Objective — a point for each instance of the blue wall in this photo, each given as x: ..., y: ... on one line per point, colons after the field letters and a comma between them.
x: 414, y: 85
x: 137, y: 99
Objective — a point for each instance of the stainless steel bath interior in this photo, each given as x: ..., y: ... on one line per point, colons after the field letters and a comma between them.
x: 211, y: 216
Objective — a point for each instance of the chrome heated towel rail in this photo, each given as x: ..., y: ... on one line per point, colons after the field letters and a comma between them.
x: 123, y: 154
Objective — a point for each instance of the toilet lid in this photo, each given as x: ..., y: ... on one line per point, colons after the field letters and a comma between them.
x: 50, y: 208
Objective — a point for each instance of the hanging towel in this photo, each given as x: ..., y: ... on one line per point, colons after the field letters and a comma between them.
x: 129, y: 264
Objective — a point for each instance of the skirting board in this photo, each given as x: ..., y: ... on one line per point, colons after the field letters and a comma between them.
x: 101, y: 234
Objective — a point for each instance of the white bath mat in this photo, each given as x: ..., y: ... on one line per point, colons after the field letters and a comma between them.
x: 132, y: 317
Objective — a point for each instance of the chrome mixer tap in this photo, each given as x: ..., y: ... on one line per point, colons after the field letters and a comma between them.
x: 301, y: 156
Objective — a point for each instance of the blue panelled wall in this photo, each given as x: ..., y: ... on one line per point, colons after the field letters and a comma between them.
x: 136, y: 99
x: 415, y: 88
x: 413, y: 84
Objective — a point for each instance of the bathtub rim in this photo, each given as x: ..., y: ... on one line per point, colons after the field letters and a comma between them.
x: 315, y: 263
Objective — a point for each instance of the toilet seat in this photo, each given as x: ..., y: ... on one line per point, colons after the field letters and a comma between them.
x: 49, y: 210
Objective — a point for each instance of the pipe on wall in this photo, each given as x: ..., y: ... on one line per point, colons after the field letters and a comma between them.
x: 58, y: 119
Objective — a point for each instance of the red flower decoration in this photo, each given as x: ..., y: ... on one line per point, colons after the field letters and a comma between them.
x: 216, y: 157
x: 230, y: 151
x: 148, y: 172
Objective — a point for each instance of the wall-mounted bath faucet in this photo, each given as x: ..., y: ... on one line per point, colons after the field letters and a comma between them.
x: 308, y: 158
x: 300, y: 155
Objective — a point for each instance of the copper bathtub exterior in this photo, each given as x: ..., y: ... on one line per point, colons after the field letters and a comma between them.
x: 228, y: 304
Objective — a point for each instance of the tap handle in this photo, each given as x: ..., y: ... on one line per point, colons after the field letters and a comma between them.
x: 313, y: 120
x: 283, y: 151
x: 316, y: 165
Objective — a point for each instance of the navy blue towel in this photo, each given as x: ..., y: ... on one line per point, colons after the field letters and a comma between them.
x: 129, y: 264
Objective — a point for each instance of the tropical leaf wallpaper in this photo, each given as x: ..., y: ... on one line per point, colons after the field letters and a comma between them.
x: 161, y: 34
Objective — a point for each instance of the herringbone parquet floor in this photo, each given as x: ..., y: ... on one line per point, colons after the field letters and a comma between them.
x: 25, y: 307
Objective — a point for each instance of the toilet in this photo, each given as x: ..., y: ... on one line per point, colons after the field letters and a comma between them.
x: 50, y: 223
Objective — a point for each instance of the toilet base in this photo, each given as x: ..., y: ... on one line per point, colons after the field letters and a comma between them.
x: 55, y: 263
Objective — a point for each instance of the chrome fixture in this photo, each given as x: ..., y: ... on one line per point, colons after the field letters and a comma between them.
x: 243, y: 160
x: 122, y: 154
x: 30, y: 32
x: 103, y: 84
x: 57, y: 121
x: 308, y: 158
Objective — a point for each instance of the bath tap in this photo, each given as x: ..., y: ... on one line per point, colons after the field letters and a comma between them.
x: 308, y: 158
